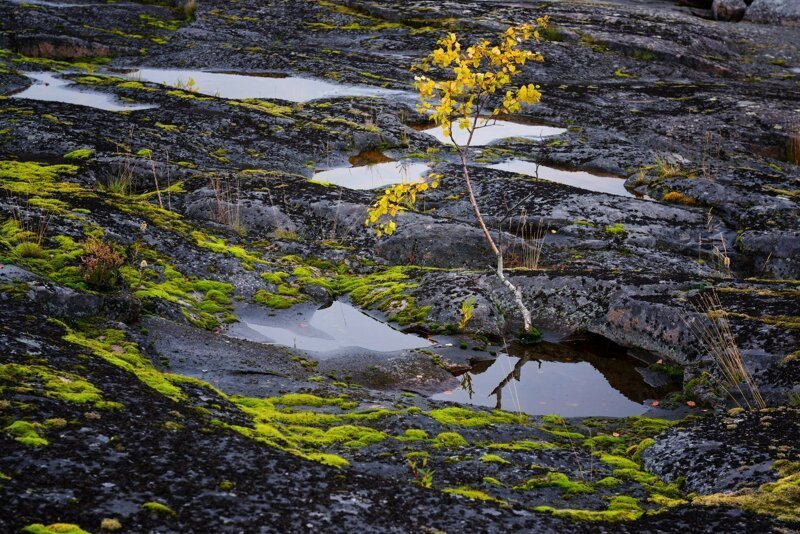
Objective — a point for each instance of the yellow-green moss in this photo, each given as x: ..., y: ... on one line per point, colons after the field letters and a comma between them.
x: 649, y: 481
x: 55, y: 528
x: 557, y: 480
x: 523, y: 445
x: 618, y: 461
x: 554, y: 419
x: 385, y: 290
x: 79, y: 154
x: 157, y: 508
x: 413, y: 434
x: 274, y: 301
x: 450, y: 440
x: 35, y: 179
x: 472, y: 418
x: 474, y: 494
x: 111, y: 346
x: 608, y: 482
x: 27, y: 433
x: 332, y: 460
x: 51, y: 383
x: 494, y: 459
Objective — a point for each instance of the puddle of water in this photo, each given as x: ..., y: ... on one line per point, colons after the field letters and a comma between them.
x: 374, y: 176
x: 239, y: 86
x: 495, y: 130
x: 325, y: 330
x: 567, y: 379
x: 49, y: 88
x: 583, y: 180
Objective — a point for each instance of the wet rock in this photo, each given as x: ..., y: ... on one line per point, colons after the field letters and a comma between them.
x: 223, y: 207
x: 726, y: 452
x: 653, y: 378
x: 775, y: 253
x: 728, y: 10
x: 781, y: 12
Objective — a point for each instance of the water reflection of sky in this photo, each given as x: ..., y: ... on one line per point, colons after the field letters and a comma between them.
x: 240, y: 86
x: 494, y: 130
x: 583, y: 180
x: 570, y: 388
x: 49, y: 88
x: 328, y: 329
x: 374, y: 176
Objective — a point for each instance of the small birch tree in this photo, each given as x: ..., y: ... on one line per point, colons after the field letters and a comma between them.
x: 473, y: 79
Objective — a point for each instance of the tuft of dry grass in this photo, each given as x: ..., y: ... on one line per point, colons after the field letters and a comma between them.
x: 531, y: 250
x: 227, y: 200
x: 713, y: 330
x: 664, y: 169
x: 793, y: 145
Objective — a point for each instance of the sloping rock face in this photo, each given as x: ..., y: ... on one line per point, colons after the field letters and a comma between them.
x: 59, y: 47
x: 780, y: 12
x: 133, y: 402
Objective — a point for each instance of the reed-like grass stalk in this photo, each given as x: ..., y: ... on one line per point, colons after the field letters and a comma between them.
x: 713, y: 330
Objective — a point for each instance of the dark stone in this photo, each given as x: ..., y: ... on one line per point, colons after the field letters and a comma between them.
x: 728, y: 10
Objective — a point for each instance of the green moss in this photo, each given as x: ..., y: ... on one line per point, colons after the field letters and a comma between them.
x: 136, y: 85
x: 413, y: 434
x: 305, y: 399
x: 79, y: 154
x: 638, y: 450
x: 55, y: 528
x: 157, y: 508
x: 346, y: 435
x: 262, y: 106
x: 384, y: 290
x: 450, y: 440
x: 168, y: 127
x: 603, y: 441
x: 618, y: 461
x: 51, y: 383
x: 494, y: 459
x: 111, y: 346
x: 557, y: 480
x: 34, y: 179
x: 186, y: 95
x: 271, y: 300
x: 608, y: 482
x: 153, y: 22
x: 25, y: 432
x: 566, y: 434
x: 474, y: 494
x: 332, y: 460
x: 220, y: 246
x: 609, y: 516
x: 276, y: 278
x: 554, y: 419
x: 649, y: 481
x: 456, y: 416
x: 523, y: 446
x: 620, y: 508
x: 616, y: 229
